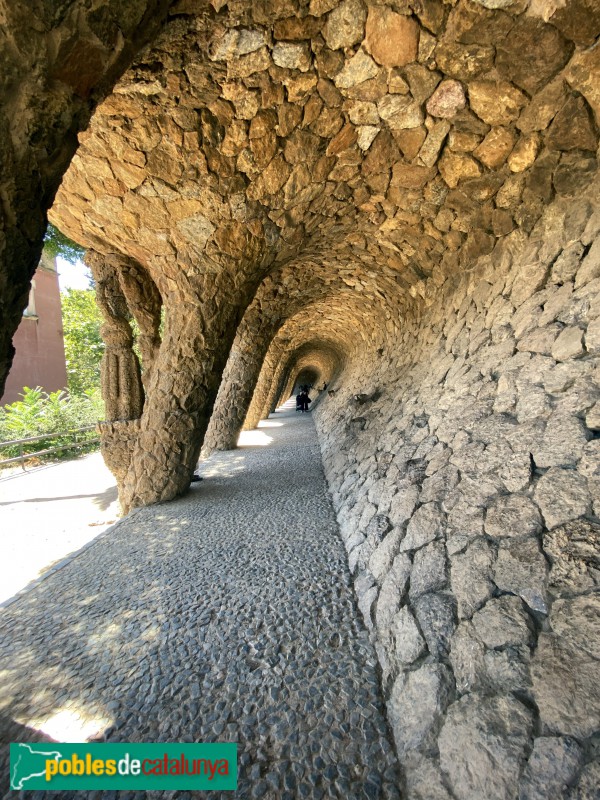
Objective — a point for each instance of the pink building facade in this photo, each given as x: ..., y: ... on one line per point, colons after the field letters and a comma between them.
x: 39, y: 345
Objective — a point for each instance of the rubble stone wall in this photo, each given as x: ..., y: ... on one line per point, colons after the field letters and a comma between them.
x: 376, y: 182
x: 58, y: 61
x: 293, y: 151
x: 466, y: 479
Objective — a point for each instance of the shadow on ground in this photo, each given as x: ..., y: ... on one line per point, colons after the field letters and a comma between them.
x: 225, y: 616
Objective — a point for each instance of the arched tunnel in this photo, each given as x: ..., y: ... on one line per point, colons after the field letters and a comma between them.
x: 398, y: 200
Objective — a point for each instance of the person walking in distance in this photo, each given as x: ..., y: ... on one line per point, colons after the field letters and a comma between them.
x: 304, y: 400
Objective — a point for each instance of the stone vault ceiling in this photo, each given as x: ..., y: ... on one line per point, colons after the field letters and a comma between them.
x: 381, y: 139
x: 400, y: 199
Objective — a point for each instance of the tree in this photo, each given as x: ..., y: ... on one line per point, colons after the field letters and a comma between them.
x: 83, y: 343
x: 57, y: 244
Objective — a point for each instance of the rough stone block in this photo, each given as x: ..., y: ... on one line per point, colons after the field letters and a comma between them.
x: 566, y: 265
x: 592, y: 417
x: 531, y: 67
x: 377, y: 530
x: 496, y: 147
x: 409, y: 642
x: 521, y: 568
x: 592, y: 337
x: 403, y: 503
x: 586, y: 787
x: 574, y: 552
x: 382, y: 558
x: 363, y: 579
x: 435, y: 614
x: 516, y: 471
x: 590, y: 460
x: 576, y: 621
x: 354, y: 557
x: 497, y: 103
x: 503, y: 622
x: 436, y: 487
x: 576, y: 626
x: 465, y: 519
x: 569, y: 344
x: 448, y: 99
x: 467, y: 658
x: 562, y: 496
x: 392, y: 39
x: 392, y: 591
x: 426, y: 524
x: 507, y: 670
x: 365, y: 604
x: 483, y: 746
x: 474, y: 491
x: 552, y: 766
x: 540, y: 340
x: 529, y: 280
x: 416, y: 707
x: 512, y: 515
x: 358, y: 69
x: 563, y: 442
x: 429, y: 571
x: 470, y: 574
x: 424, y: 779
x: 292, y: 55
x: 464, y: 61
x: 345, y: 25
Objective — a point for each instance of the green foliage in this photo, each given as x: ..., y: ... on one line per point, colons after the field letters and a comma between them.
x: 40, y: 413
x: 57, y: 244
x: 135, y: 330
x: 83, y: 343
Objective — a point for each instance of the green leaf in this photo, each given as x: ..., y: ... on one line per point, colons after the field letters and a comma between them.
x: 83, y: 344
x: 57, y: 244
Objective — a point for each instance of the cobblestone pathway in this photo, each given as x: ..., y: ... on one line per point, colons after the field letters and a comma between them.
x: 227, y: 615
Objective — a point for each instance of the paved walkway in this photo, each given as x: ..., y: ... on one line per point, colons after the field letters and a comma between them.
x: 49, y: 512
x: 227, y: 615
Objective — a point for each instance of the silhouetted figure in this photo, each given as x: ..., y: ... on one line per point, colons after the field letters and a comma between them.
x: 303, y: 399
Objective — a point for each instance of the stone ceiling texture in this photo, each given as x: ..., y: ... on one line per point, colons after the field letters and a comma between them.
x: 411, y: 134
x: 399, y: 199
x: 318, y: 361
x: 378, y: 146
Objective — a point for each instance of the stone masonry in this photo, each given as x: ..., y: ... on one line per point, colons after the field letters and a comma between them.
x: 398, y: 198
x: 59, y: 59
x: 375, y: 141
x: 467, y: 485
x: 216, y: 627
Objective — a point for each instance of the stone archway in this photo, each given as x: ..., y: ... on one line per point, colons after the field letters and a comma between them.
x: 59, y: 61
x: 297, y: 291
x: 420, y: 181
x: 237, y: 144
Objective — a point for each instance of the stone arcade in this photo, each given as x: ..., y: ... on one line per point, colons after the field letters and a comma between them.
x: 399, y: 199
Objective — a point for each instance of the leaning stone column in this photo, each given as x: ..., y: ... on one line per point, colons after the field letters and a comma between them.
x: 180, y: 395
x: 120, y: 376
x: 269, y: 379
x: 237, y: 386
x: 285, y: 388
x: 144, y: 303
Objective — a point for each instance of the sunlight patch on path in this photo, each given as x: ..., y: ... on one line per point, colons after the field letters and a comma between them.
x: 49, y: 513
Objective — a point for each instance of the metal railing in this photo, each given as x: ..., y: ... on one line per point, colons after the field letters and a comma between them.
x: 74, y: 445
